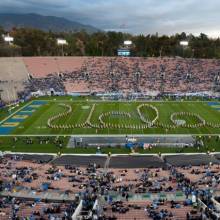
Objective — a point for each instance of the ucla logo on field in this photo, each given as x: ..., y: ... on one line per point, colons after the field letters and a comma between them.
x: 35, y: 106
x: 20, y: 116
x: 10, y: 124
x: 27, y: 111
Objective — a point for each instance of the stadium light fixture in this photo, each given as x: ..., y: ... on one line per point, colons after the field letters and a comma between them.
x: 184, y: 43
x: 62, y: 42
x: 127, y: 43
x: 8, y: 39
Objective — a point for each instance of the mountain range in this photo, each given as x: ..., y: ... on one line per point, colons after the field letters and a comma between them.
x: 45, y: 23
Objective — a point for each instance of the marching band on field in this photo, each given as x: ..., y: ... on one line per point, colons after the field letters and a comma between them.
x: 147, y: 123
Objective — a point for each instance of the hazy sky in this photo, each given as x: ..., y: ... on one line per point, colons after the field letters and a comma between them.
x: 134, y: 16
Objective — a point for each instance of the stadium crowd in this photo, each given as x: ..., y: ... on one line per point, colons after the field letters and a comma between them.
x: 170, y: 75
x: 39, y: 187
x: 92, y: 75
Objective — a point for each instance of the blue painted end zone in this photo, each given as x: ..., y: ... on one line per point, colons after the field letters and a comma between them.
x: 14, y: 120
x: 6, y: 130
x: 36, y: 102
x: 213, y: 103
x: 28, y: 108
x: 23, y: 112
x: 7, y: 126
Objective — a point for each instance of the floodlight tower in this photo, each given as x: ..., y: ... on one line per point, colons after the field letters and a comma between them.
x: 62, y: 43
x: 8, y: 39
x: 184, y: 44
x: 127, y: 43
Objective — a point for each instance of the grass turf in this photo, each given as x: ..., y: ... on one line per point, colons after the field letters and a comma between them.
x: 36, y: 124
x: 211, y: 144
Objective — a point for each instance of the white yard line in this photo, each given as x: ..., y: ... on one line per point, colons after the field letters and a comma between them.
x: 1, y: 122
x: 108, y: 135
x: 126, y: 101
x: 105, y: 155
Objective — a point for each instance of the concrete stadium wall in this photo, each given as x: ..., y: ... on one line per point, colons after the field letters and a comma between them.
x: 42, y: 66
x: 13, y: 73
x: 13, y: 68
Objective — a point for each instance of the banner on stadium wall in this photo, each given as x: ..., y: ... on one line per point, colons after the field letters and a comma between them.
x: 110, y: 94
x: 46, y: 93
x: 38, y: 93
x: 78, y: 94
x: 205, y: 93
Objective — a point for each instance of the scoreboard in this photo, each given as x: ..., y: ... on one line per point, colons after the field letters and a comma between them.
x: 124, y: 52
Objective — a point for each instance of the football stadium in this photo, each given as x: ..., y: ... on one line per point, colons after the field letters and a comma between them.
x: 100, y: 123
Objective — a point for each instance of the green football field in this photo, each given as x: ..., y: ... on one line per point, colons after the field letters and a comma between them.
x: 104, y: 117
